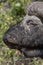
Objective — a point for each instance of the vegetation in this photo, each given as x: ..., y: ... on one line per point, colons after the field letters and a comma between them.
x: 11, y: 12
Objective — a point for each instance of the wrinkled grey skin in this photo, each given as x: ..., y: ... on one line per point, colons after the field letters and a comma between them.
x: 32, y: 52
x: 26, y: 36
x: 35, y: 8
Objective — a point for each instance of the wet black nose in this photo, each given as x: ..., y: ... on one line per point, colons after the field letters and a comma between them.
x: 5, y: 38
x: 6, y: 41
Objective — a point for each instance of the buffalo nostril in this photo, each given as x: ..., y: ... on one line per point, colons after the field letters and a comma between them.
x: 9, y: 38
x: 5, y: 38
